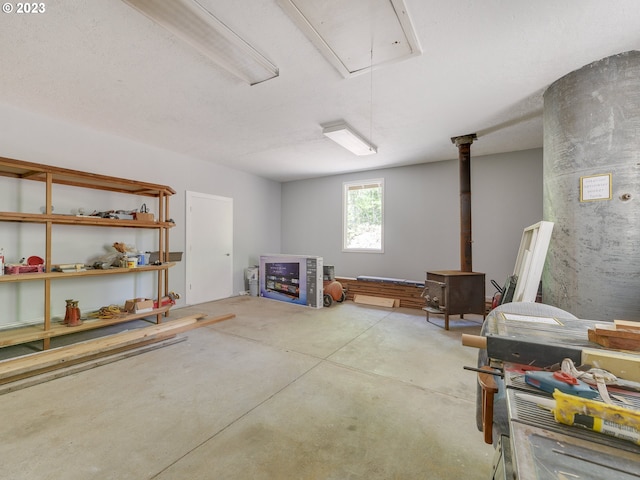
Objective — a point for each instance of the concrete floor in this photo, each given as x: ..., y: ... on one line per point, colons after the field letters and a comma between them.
x: 279, y: 392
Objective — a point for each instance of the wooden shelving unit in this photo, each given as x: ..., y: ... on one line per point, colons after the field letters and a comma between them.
x: 17, y: 336
x: 51, y: 176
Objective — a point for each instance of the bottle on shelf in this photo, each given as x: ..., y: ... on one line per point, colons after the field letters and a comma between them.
x: 72, y: 317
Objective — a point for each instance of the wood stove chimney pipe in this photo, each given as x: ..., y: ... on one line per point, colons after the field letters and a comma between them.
x: 464, y: 156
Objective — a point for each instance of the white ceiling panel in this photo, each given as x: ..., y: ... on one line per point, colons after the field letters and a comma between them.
x: 355, y: 35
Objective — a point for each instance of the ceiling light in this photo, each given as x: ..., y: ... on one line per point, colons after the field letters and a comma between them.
x: 344, y: 135
x: 191, y: 22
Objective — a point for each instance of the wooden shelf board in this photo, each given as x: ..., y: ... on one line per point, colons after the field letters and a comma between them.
x: 79, y: 220
x: 17, y: 336
x: 34, y: 171
x: 22, y: 277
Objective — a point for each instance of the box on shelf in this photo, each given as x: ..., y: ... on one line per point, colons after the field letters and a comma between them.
x: 144, y: 217
x: 16, y: 269
x: 173, y: 257
x: 69, y: 267
x: 138, y: 305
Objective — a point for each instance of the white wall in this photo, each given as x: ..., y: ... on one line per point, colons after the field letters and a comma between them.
x: 422, y: 217
x: 303, y: 217
x: 35, y: 138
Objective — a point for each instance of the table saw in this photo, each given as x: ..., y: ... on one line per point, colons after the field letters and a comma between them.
x: 530, y: 444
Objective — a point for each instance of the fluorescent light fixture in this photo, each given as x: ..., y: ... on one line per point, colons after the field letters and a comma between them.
x: 191, y: 22
x: 344, y: 135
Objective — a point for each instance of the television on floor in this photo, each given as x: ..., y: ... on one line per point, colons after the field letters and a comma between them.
x: 292, y: 278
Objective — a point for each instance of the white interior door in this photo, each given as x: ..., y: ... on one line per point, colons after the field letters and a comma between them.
x: 209, y: 236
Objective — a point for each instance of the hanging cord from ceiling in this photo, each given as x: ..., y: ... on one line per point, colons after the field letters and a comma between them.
x: 371, y: 93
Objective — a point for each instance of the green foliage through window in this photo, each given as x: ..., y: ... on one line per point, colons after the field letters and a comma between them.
x: 363, y: 216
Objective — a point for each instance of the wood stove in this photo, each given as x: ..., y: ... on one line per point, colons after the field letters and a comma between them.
x: 452, y: 292
x: 456, y: 292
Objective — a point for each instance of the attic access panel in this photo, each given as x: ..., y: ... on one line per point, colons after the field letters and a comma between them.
x: 347, y: 31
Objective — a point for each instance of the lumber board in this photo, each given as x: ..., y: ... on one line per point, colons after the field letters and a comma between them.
x: 72, y: 353
x: 602, y: 329
x: 51, y: 374
x: 621, y: 364
x: 618, y: 339
x: 376, y: 301
x: 85, y: 359
x: 409, y: 296
x: 627, y: 325
x: 39, y: 360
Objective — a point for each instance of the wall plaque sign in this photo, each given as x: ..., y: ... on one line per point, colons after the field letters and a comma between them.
x: 595, y: 187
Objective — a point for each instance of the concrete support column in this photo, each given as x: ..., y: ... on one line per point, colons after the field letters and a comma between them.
x: 592, y: 189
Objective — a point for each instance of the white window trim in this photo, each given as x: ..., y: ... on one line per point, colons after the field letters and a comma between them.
x: 345, y: 188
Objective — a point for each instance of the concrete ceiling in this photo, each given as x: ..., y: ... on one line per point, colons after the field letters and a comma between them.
x: 484, y: 67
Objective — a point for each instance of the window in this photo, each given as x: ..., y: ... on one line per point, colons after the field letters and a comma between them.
x: 363, y: 218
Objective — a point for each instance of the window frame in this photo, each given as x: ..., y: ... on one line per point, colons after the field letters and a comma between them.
x: 346, y: 186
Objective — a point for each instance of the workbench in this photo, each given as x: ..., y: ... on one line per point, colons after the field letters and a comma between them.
x: 530, y: 444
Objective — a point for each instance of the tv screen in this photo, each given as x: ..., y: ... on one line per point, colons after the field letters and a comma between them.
x: 283, y: 277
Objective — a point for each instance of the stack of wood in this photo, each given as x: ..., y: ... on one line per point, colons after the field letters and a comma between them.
x: 47, y: 361
x: 621, y: 335
x: 393, y: 294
